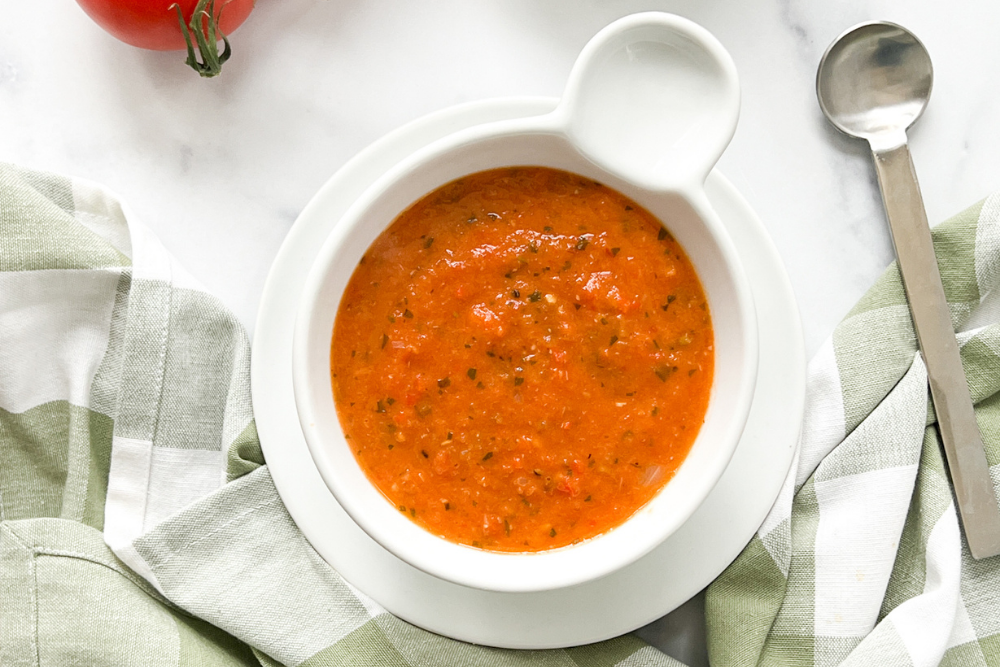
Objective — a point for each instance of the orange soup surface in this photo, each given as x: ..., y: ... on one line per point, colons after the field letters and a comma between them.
x: 522, y: 359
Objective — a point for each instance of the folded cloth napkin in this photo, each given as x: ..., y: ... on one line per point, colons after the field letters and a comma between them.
x: 139, y: 524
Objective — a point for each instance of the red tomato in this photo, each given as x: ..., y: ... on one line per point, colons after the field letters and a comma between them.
x: 153, y: 24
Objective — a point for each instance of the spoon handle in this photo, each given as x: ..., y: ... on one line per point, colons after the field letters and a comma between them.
x: 956, y: 420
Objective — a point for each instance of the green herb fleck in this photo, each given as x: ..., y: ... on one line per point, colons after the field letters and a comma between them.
x: 444, y: 382
x: 407, y: 314
x: 662, y: 234
x: 552, y: 532
x: 379, y: 407
x: 516, y: 294
x: 662, y: 372
x: 471, y: 373
x: 534, y: 296
x: 582, y: 243
x: 385, y: 339
x: 614, y: 339
x: 424, y: 454
x: 488, y: 456
x: 429, y: 242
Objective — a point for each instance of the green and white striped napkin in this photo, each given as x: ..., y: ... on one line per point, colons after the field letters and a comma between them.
x: 139, y: 524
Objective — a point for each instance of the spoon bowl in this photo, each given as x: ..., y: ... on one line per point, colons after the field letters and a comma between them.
x: 874, y: 80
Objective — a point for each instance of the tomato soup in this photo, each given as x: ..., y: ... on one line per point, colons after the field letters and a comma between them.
x: 522, y: 359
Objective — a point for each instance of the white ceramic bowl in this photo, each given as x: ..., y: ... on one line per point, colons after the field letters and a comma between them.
x: 689, y: 218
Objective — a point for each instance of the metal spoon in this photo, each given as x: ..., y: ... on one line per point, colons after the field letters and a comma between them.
x: 873, y: 83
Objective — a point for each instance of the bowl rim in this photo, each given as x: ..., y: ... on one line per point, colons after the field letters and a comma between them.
x: 402, y: 542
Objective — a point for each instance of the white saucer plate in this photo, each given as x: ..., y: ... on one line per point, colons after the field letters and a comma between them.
x: 613, y: 605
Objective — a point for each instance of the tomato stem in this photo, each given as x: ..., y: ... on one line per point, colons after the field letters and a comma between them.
x: 204, y: 25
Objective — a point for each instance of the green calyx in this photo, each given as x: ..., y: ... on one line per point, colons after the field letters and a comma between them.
x: 204, y: 25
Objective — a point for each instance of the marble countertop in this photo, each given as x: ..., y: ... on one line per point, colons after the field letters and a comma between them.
x: 220, y: 169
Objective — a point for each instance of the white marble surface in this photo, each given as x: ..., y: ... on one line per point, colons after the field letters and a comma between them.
x: 220, y: 168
